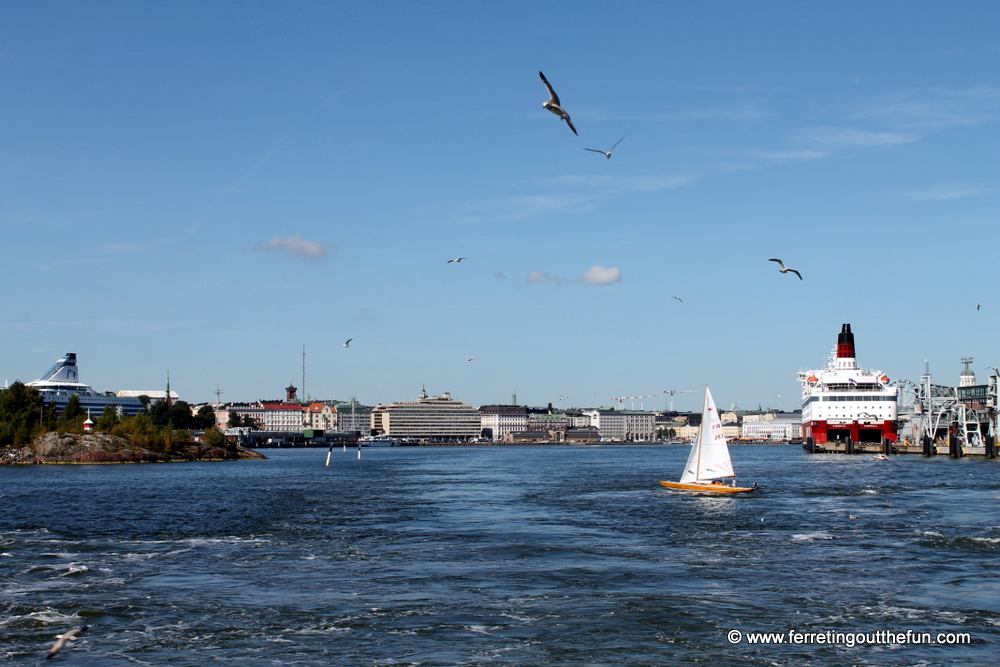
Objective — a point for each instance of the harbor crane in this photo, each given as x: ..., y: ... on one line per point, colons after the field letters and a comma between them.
x: 621, y: 399
x: 676, y: 391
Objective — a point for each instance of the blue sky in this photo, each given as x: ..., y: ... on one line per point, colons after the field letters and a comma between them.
x: 205, y: 188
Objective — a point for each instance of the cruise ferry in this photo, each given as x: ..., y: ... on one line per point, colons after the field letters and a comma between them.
x: 842, y: 401
x: 63, y: 380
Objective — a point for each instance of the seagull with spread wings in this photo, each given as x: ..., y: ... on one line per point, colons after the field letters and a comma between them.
x: 679, y: 299
x: 785, y: 269
x: 553, y: 105
x: 456, y: 260
x: 347, y: 343
x: 63, y: 638
x: 606, y: 154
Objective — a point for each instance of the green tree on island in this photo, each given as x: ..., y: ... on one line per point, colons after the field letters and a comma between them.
x: 237, y: 420
x: 205, y: 417
x: 21, y: 411
x: 109, y: 418
x: 72, y: 409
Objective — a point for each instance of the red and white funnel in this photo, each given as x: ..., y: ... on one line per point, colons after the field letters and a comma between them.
x: 846, y: 359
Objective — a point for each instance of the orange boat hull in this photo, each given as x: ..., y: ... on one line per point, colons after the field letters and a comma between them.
x: 708, y: 488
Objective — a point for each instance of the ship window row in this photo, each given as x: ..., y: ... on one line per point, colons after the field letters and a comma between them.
x: 856, y: 399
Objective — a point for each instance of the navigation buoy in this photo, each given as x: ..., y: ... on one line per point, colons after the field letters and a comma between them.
x: 328, y: 453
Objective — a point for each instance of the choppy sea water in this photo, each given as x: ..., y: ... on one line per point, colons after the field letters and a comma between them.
x: 498, y: 556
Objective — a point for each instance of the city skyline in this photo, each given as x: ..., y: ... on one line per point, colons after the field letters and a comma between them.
x: 202, y: 190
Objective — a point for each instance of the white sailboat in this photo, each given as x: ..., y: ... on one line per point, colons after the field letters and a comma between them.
x: 709, y: 462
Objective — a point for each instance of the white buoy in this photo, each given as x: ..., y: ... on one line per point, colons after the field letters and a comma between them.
x: 359, y: 452
x: 330, y: 451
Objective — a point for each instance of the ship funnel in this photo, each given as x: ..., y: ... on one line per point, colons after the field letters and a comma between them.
x: 845, y: 343
x: 64, y: 371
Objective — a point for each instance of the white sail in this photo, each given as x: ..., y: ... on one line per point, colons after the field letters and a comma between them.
x: 709, y: 457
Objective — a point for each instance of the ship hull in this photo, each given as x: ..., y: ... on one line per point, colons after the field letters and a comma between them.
x: 822, y: 432
x: 708, y: 487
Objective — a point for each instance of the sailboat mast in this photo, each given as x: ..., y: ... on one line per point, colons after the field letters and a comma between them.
x: 701, y: 434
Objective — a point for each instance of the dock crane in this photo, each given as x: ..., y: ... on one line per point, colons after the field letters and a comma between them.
x: 621, y: 399
x: 676, y: 391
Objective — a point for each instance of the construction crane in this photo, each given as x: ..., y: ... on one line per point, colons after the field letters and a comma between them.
x: 621, y: 399
x: 676, y: 391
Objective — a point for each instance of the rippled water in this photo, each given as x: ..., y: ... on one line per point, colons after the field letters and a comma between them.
x: 497, y: 556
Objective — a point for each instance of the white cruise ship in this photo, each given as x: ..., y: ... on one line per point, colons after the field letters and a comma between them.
x: 842, y: 401
x: 62, y: 381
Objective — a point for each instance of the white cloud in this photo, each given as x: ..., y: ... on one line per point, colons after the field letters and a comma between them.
x: 295, y: 245
x: 599, y: 275
x: 540, y: 277
x: 521, y: 207
x: 937, y: 107
x: 618, y: 184
x: 846, y: 136
x: 948, y: 191
x: 796, y: 156
x: 595, y: 275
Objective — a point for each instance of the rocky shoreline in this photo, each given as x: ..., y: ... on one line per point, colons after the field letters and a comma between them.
x: 105, y: 448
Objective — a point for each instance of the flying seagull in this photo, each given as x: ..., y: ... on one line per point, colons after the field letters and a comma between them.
x: 785, y: 269
x: 347, y: 343
x: 63, y: 638
x: 679, y: 299
x: 456, y: 260
x: 978, y: 305
x: 552, y: 104
x: 606, y: 154
x: 468, y: 358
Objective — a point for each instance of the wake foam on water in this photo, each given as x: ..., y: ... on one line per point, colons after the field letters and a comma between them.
x: 961, y: 542
x: 816, y: 535
x: 48, y: 616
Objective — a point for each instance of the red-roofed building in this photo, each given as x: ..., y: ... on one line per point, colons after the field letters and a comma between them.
x: 283, y: 417
x: 320, y: 416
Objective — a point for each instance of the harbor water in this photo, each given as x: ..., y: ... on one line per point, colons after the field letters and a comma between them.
x: 560, y: 555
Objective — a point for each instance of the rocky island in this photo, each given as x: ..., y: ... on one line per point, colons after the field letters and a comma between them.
x: 54, y: 447
x: 35, y: 431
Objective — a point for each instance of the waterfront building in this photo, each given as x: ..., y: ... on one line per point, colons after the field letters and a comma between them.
x: 608, y: 421
x: 639, y: 425
x: 547, y: 422
x: 154, y: 395
x: 772, y: 427
x: 967, y: 378
x: 282, y: 417
x: 582, y: 434
x: 554, y: 425
x: 496, y: 421
x: 428, y: 418
x: 576, y: 418
x: 353, y: 417
x: 319, y: 417
x: 254, y: 411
